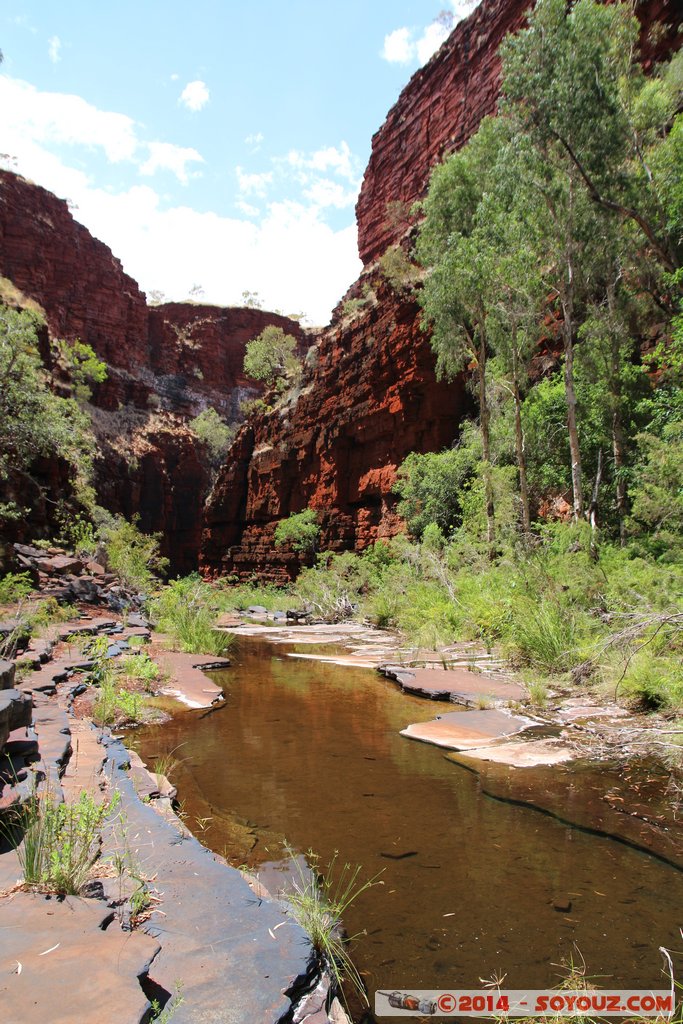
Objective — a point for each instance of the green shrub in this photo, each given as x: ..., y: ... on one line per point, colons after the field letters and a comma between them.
x: 186, y: 610
x: 301, y: 530
x: 545, y: 636
x: 272, y: 356
x: 397, y: 268
x: 14, y: 587
x: 239, y: 596
x: 140, y: 667
x: 132, y: 555
x: 655, y: 682
x: 318, y: 903
x: 60, y: 840
x: 214, y: 433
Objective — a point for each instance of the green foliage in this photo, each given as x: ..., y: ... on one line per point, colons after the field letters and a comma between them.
x: 657, y: 493
x: 271, y: 357
x: 430, y: 486
x: 114, y: 705
x: 60, y: 840
x: 318, y: 903
x: 332, y: 587
x: 239, y: 596
x: 397, y: 268
x: 82, y: 366
x: 33, y: 420
x: 300, y: 530
x: 252, y: 405
x: 214, y: 433
x: 186, y: 610
x: 14, y: 586
x: 132, y: 555
x: 140, y: 667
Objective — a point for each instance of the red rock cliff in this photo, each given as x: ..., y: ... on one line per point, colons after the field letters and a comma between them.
x: 165, y: 363
x: 372, y: 398
x: 368, y: 398
x: 444, y: 102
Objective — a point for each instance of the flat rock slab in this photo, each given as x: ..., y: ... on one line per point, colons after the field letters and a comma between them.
x: 457, y: 685
x: 84, y: 768
x: 45, y: 678
x: 188, y: 682
x: 15, y: 712
x: 58, y: 965
x: 464, y: 730
x: 235, y: 954
x: 521, y: 753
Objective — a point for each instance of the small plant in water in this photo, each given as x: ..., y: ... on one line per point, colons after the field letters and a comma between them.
x: 318, y: 903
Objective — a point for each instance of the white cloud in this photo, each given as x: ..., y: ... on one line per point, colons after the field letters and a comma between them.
x: 61, y: 118
x: 430, y: 41
x: 29, y: 117
x: 410, y: 45
x: 253, y: 184
x: 255, y: 139
x: 194, y: 96
x: 167, y: 157
x: 398, y: 47
x: 323, y: 193
x: 54, y: 46
x: 289, y: 254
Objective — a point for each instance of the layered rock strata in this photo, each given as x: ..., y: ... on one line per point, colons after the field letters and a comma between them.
x: 373, y: 397
x: 165, y: 364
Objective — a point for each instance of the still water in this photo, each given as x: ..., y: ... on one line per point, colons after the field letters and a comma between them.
x: 310, y: 754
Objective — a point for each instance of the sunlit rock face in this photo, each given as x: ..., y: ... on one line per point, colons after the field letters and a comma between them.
x: 372, y: 397
x: 165, y: 364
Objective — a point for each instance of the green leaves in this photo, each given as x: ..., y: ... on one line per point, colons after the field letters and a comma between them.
x: 271, y: 356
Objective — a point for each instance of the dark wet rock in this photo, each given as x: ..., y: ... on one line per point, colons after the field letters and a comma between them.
x: 7, y: 671
x: 15, y: 712
x: 138, y: 620
x: 299, y: 615
x: 237, y: 955
x: 60, y: 564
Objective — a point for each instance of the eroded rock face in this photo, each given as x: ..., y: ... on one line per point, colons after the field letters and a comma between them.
x: 444, y: 103
x: 368, y: 399
x: 165, y: 365
x: 373, y: 397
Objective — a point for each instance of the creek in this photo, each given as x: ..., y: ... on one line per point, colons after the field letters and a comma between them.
x: 309, y: 753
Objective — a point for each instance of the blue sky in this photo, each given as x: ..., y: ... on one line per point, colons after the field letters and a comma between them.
x: 212, y: 144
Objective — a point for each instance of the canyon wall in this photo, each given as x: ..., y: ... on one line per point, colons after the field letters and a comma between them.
x: 372, y: 397
x: 165, y: 364
x: 369, y: 397
x: 444, y: 102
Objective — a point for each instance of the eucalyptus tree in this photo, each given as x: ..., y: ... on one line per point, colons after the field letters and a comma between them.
x: 455, y: 296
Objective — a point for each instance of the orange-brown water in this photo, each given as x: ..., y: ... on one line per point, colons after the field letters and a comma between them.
x: 310, y: 753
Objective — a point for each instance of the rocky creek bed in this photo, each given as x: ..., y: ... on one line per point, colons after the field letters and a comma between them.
x: 304, y: 741
x: 486, y: 868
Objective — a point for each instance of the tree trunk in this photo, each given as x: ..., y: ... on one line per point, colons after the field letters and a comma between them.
x: 519, y: 440
x: 618, y: 436
x: 484, y: 418
x: 567, y: 299
x: 594, y: 506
